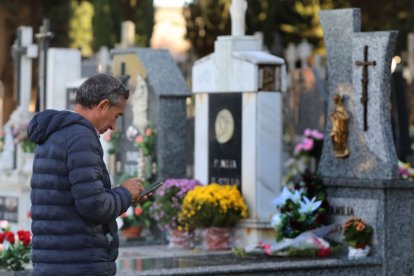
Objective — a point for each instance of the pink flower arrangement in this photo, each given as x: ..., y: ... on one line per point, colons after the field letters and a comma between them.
x: 405, y: 171
x: 311, y: 143
x: 146, y: 141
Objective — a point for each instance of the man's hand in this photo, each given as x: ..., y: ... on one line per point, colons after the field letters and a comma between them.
x: 135, y: 187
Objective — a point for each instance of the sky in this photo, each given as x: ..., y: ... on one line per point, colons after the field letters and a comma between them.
x: 169, y: 3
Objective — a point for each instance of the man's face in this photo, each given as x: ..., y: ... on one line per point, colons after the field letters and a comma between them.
x: 107, y: 115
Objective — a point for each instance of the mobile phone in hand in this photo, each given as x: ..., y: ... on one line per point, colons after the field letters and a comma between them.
x: 149, y: 189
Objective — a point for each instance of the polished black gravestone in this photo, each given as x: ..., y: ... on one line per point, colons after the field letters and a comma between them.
x: 225, y: 156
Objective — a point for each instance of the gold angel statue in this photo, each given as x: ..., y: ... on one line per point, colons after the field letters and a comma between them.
x: 339, y: 132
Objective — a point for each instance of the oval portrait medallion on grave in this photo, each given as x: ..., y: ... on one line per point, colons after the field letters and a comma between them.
x: 224, y: 126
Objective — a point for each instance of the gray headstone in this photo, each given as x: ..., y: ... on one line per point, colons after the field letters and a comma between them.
x: 372, y: 152
x: 167, y: 92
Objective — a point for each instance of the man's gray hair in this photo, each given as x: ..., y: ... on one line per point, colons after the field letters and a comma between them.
x: 100, y: 87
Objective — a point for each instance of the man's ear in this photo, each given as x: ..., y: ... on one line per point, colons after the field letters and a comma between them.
x: 103, y: 104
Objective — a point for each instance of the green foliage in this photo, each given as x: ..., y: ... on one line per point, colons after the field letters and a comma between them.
x: 144, y: 22
x: 28, y: 145
x: 106, y: 23
x: 110, y: 14
x: 114, y: 139
x: 206, y: 19
x: 15, y: 256
x: 81, y: 31
x: 60, y: 15
x: 147, y: 140
x: 285, y: 21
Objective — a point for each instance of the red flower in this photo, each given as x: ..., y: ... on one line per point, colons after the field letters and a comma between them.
x: 138, y: 211
x: 123, y: 215
x: 148, y: 131
x: 323, y: 252
x: 1, y: 237
x: 9, y: 236
x: 24, y: 237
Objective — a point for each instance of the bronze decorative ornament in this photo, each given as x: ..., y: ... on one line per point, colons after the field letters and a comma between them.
x: 339, y: 132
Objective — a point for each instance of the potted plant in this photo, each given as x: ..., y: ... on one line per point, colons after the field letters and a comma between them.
x: 166, y: 207
x: 135, y: 219
x: 15, y: 248
x: 358, y: 234
x: 215, y: 207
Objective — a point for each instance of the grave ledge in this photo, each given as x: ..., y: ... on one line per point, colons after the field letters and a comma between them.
x: 368, y: 183
x: 288, y: 266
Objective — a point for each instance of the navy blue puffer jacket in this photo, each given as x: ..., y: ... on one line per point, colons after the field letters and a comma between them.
x: 73, y: 205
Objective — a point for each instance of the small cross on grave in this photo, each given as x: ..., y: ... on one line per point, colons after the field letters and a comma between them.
x: 43, y: 38
x: 364, y: 82
x: 23, y: 51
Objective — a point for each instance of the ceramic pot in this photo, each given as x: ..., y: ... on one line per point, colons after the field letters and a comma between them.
x: 132, y: 232
x: 218, y: 238
x: 357, y: 253
x: 180, y: 239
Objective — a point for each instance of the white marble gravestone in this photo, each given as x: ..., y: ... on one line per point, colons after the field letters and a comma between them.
x: 63, y: 66
x: 14, y: 182
x: 233, y: 87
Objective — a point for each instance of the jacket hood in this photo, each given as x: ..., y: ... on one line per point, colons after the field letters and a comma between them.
x: 46, y: 122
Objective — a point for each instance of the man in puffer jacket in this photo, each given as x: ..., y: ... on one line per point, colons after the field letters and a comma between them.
x: 73, y: 206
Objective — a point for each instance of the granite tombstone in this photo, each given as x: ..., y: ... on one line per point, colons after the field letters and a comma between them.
x: 366, y: 182
x: 159, y: 91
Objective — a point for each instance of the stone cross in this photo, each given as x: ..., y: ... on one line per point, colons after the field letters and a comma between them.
x: 372, y: 152
x: 304, y: 52
x: 238, y: 11
x: 23, y: 51
x: 43, y: 38
x: 364, y: 83
x: 291, y: 55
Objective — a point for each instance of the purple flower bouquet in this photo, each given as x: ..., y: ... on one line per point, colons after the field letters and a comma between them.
x: 168, y: 201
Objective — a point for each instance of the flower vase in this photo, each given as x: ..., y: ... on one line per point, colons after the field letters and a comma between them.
x: 132, y: 232
x: 358, y: 253
x: 218, y: 238
x: 180, y: 239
